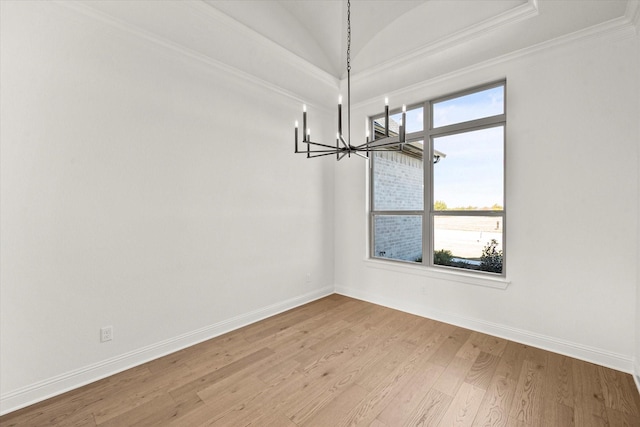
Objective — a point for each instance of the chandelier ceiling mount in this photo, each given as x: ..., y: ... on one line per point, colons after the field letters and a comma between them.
x: 393, y: 141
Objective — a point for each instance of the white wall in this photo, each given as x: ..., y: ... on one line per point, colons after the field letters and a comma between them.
x: 145, y: 190
x: 637, y: 351
x: 572, y: 203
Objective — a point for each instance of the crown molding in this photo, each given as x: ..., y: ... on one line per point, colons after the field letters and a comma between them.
x: 84, y: 8
x: 617, y: 28
x: 632, y: 13
x: 274, y: 48
x: 517, y: 14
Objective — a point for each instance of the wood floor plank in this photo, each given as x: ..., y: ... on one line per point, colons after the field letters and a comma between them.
x: 527, y: 403
x: 409, y: 397
x: 618, y: 393
x: 589, y: 406
x: 556, y: 414
x: 447, y: 351
x: 385, y: 391
x: 335, y: 413
x: 191, y: 389
x: 271, y: 420
x: 77, y: 404
x: 620, y: 419
x: 340, y: 361
x: 142, y: 414
x: 559, y: 380
x: 464, y: 406
x: 494, y: 345
x: 143, y: 391
x: 482, y: 370
x: 430, y: 410
x: 453, y: 376
x: 471, y: 347
x: 496, y: 403
x: 309, y: 406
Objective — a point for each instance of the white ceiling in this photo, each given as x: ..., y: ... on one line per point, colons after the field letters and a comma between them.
x: 298, y: 47
x: 383, y: 30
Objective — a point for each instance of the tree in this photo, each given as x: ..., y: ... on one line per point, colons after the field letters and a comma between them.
x: 439, y: 205
x: 491, y: 259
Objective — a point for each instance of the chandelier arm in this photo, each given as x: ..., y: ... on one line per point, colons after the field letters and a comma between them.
x: 361, y: 155
x: 382, y: 145
x: 318, y: 144
x: 334, y: 151
x: 321, y: 155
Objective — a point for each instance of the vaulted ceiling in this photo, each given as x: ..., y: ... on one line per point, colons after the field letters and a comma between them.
x: 386, y: 30
x: 299, y: 46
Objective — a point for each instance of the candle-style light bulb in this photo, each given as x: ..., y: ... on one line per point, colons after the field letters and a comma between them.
x: 403, y: 120
x: 296, y: 124
x: 304, y: 108
x: 386, y: 117
x: 339, y: 99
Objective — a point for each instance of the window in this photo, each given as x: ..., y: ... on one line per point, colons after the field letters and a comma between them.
x: 443, y: 194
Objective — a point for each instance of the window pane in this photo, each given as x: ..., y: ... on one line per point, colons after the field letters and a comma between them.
x: 474, y: 106
x: 398, y: 179
x: 469, y: 174
x: 398, y: 237
x: 415, y: 123
x: 470, y: 242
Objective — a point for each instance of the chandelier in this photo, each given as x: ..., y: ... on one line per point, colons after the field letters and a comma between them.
x: 391, y: 141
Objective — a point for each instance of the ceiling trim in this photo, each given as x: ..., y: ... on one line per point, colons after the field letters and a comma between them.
x: 517, y: 14
x: 89, y: 12
x: 274, y: 48
x: 617, y: 28
x: 632, y: 13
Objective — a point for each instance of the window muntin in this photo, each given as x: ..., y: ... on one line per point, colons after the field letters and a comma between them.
x: 462, y: 213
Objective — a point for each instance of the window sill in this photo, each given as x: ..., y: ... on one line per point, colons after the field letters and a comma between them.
x: 454, y: 276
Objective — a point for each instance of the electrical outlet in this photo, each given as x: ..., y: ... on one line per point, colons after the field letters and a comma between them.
x: 308, y: 278
x: 106, y: 333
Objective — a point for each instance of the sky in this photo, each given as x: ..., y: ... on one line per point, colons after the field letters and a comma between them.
x: 472, y: 172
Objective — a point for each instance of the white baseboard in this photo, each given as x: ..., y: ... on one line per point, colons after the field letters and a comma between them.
x: 590, y: 354
x: 51, y: 387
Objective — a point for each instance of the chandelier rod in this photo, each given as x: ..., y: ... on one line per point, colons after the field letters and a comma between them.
x: 343, y: 147
x: 349, y: 71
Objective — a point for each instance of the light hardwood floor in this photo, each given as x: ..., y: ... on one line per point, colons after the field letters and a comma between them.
x: 339, y: 361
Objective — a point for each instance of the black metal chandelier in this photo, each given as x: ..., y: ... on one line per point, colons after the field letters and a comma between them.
x: 391, y: 141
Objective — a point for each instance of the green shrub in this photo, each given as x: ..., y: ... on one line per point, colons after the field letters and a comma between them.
x: 442, y: 257
x: 491, y: 259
